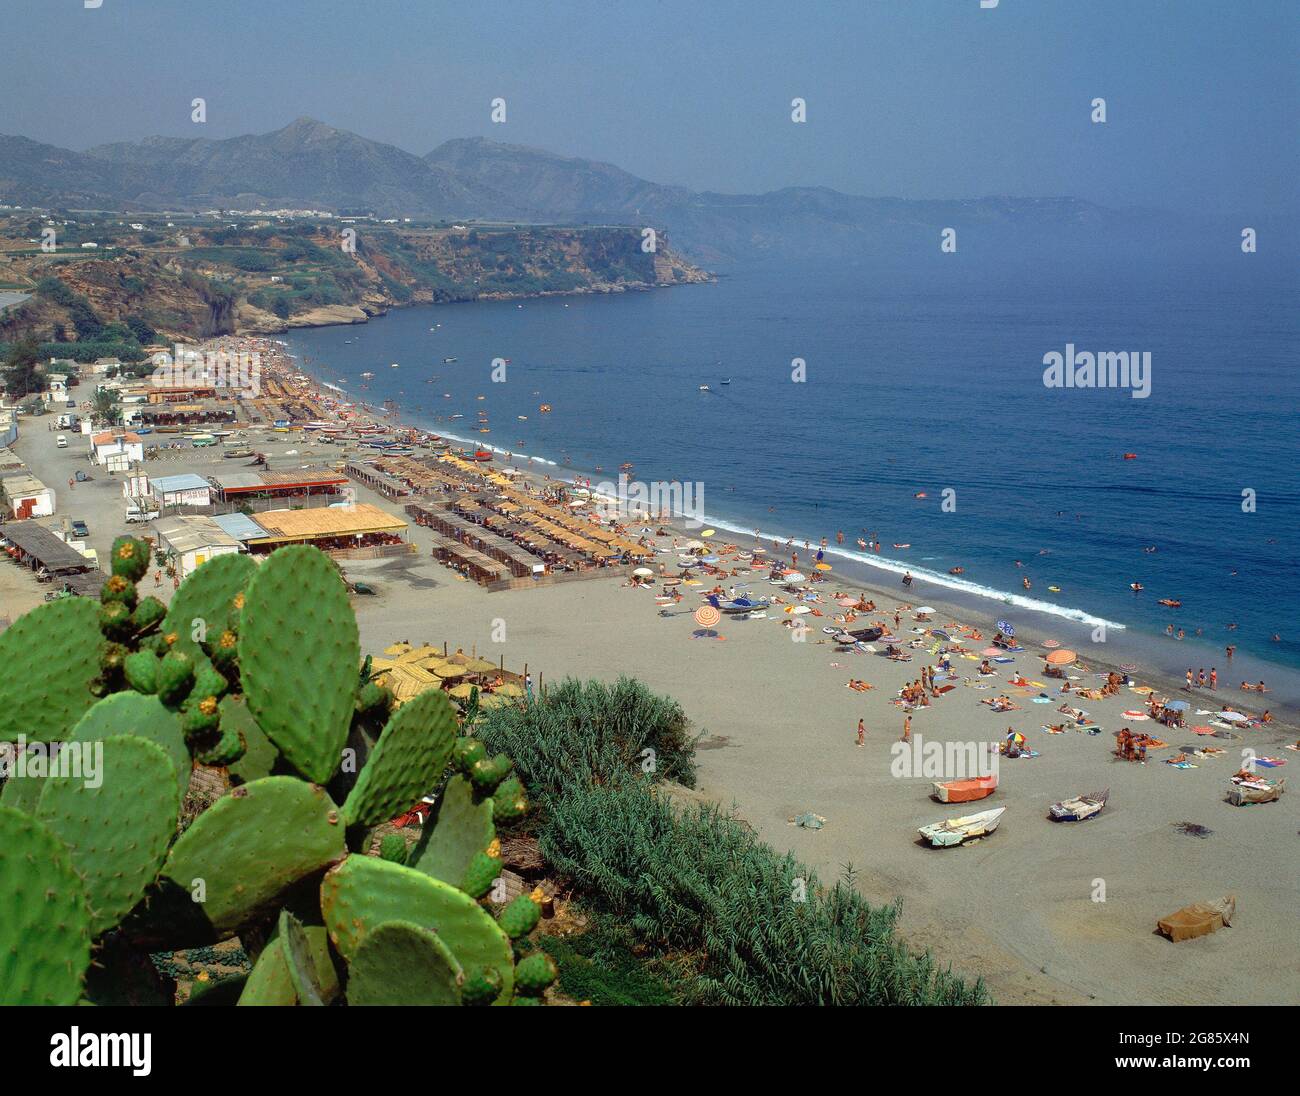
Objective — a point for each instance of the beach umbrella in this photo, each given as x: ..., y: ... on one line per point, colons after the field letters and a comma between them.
x: 1061, y: 657
x: 708, y: 532
x: 847, y: 602
x: 795, y: 576
x: 707, y: 616
x: 846, y: 638
x: 925, y: 610
x: 1050, y: 643
x: 1005, y: 628
x: 939, y: 634
x: 448, y: 671
x: 989, y: 651
x: 397, y: 649
x: 508, y: 689
x: 481, y: 666
x: 823, y: 566
x: 1233, y: 717
x: 460, y: 692
x: 708, y: 559
x: 693, y: 544
x: 644, y: 572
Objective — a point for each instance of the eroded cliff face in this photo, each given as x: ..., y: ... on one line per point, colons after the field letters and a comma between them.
x: 264, y: 280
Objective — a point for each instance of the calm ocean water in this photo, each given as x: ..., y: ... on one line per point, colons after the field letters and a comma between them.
x: 919, y: 381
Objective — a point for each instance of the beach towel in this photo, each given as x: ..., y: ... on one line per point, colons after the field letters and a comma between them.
x: 1004, y: 660
x: 1270, y: 762
x: 1041, y: 700
x: 1180, y: 763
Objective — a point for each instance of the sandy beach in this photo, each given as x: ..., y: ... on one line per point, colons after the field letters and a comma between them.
x: 1044, y: 912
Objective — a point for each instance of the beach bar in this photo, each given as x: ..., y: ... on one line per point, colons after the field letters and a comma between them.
x: 363, y: 530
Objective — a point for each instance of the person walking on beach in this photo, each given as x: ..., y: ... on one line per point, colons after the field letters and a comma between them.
x: 862, y: 733
x: 907, y: 728
x: 1214, y: 677
x: 1200, y: 678
x: 1189, y: 679
x: 528, y: 686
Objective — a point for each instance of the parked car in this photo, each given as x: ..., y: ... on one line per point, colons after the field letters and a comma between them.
x: 83, y: 477
x: 79, y: 530
x: 135, y: 514
x: 61, y: 441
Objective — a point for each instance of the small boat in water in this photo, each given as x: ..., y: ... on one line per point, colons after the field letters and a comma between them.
x: 725, y: 380
x: 964, y: 791
x: 705, y: 388
x: 954, y: 831
x: 1078, y: 808
x: 742, y: 605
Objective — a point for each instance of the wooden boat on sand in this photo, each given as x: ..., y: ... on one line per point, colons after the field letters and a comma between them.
x: 956, y: 830
x: 1198, y: 919
x: 964, y: 791
x: 1078, y: 808
x: 1255, y: 790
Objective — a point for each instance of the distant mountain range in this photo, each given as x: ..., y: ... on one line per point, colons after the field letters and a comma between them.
x: 308, y: 164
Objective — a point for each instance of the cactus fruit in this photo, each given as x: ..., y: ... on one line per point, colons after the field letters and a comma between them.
x: 251, y: 845
x: 360, y: 894
x: 208, y: 681
x: 115, y: 620
x: 534, y: 973
x: 143, y: 717
x: 298, y: 658
x: 141, y: 671
x: 520, y: 917
x: 224, y: 651
x: 487, y: 774
x: 468, y: 751
x: 406, y: 762
x: 509, y: 801
x: 483, y: 871
x: 373, y: 698
x: 392, y: 847
x: 175, y: 677
x: 44, y: 921
x: 113, y: 662
x: 148, y: 615
x: 130, y: 558
x: 400, y: 963
x: 119, y: 588
x: 200, y: 720
x: 463, y: 831
x: 117, y: 824
x: 51, y: 656
x: 202, y: 604
x: 481, y: 986
x: 226, y: 750
x: 298, y: 957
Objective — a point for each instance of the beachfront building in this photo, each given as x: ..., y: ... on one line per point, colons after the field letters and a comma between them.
x: 206, y: 412
x: 117, y: 450
x: 185, y: 489
x: 299, y: 483
x: 8, y: 425
x: 25, y: 496
x: 361, y: 528
x: 192, y: 540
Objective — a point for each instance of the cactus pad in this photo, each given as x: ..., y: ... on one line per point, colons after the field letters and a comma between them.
x: 363, y: 892
x: 144, y: 717
x: 401, y: 963
x: 51, y: 657
x: 269, y: 983
x: 117, y: 831
x: 298, y: 957
x: 463, y: 830
x: 298, y: 657
x: 393, y: 848
x: 252, y: 844
x: 406, y: 762
x: 509, y: 800
x: 44, y: 922
x: 208, y: 595
x: 259, y: 755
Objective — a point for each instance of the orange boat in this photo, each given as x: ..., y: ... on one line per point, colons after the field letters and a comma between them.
x: 963, y: 791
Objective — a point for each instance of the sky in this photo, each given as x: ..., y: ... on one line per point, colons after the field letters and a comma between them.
x: 913, y: 98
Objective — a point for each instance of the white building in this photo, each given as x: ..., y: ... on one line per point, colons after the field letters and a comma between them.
x: 186, y: 489
x: 193, y: 540
x: 26, y: 496
x: 117, y: 450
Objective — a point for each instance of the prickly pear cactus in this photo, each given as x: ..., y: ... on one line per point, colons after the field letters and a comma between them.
x: 51, y: 658
x: 534, y: 973
x: 298, y: 658
x: 464, y: 829
x: 251, y: 845
x: 143, y: 717
x: 400, y: 963
x: 44, y: 920
x: 298, y: 957
x: 259, y: 755
x: 204, y: 601
x: 116, y: 823
x: 269, y: 982
x: 406, y: 762
x: 363, y: 892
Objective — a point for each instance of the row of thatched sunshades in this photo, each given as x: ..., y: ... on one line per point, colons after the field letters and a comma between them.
x: 408, y: 671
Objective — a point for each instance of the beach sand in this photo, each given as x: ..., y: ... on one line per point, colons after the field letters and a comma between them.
x: 1016, y: 908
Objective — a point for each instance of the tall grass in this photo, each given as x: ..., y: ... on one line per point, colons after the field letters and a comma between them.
x: 749, y: 925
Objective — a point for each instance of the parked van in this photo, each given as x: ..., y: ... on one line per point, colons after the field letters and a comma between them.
x: 135, y: 514
x: 61, y: 441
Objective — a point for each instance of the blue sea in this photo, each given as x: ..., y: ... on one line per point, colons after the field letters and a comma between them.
x: 925, y: 380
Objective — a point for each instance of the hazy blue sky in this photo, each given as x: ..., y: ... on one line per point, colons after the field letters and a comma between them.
x: 919, y: 98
